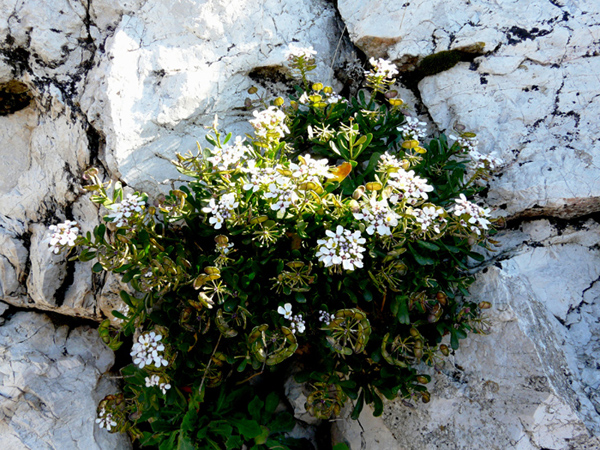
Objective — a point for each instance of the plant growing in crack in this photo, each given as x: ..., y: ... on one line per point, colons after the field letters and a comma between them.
x: 334, y: 237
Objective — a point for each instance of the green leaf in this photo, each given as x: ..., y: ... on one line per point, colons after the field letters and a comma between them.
x: 300, y: 297
x: 185, y: 443
x: 359, y: 406
x: 402, y: 309
x: 234, y: 442
x: 476, y: 256
x: 86, y: 255
x: 255, y: 407
x: 340, y: 446
x: 271, y: 402
x: 247, y: 428
x: 368, y: 296
x: 262, y: 437
x: 282, y: 422
x: 428, y: 245
x: 377, y: 404
x: 453, y: 339
x: 422, y: 260
x: 97, y: 268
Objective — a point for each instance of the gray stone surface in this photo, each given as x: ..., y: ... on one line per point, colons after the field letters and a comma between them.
x: 126, y: 84
x: 51, y: 379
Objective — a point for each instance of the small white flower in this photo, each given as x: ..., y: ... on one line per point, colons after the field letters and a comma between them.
x: 413, y: 129
x: 342, y: 247
x: 270, y: 123
x: 382, y: 68
x: 63, y: 236
x: 122, y: 213
x: 164, y: 387
x: 285, y: 311
x: 105, y: 420
x: 148, y: 351
x: 478, y: 216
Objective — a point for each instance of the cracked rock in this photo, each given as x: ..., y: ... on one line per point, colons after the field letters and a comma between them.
x: 50, y: 383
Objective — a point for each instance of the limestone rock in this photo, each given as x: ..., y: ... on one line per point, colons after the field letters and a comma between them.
x: 169, y: 68
x: 532, y: 383
x: 51, y: 381
x: 368, y: 432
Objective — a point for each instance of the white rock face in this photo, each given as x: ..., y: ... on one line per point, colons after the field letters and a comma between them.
x: 50, y: 383
x: 532, y: 383
x: 170, y: 67
x: 126, y: 84
x: 533, y: 99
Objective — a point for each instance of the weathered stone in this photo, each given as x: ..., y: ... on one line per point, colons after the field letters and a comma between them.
x: 50, y: 384
x: 368, y: 432
x: 532, y: 382
x: 168, y: 69
x: 543, y: 127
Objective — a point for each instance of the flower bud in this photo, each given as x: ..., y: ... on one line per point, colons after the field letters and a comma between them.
x: 442, y: 298
x: 444, y: 349
x: 278, y: 101
x: 90, y: 173
x: 317, y: 86
x: 221, y: 240
x: 411, y: 143
x: 422, y: 379
x: 354, y: 206
x: 374, y: 186
x: 328, y: 90
x: 485, y: 305
x: 425, y: 397
x: 396, y: 102
x: 358, y: 192
x: 252, y: 90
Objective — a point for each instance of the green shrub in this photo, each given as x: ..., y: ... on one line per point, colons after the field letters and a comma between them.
x: 334, y: 237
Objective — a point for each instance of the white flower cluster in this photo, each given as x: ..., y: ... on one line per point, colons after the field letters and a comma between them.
x: 294, y: 52
x: 229, y: 156
x: 310, y: 169
x: 388, y: 163
x: 413, y: 129
x: 105, y: 420
x: 221, y: 211
x: 270, y: 123
x: 382, y: 68
x: 414, y: 187
x: 325, y: 317
x: 298, y: 324
x: 470, y: 144
x: 478, y: 215
x: 122, y: 212
x: 282, y: 190
x: 428, y: 216
x: 479, y: 161
x: 379, y: 217
x: 154, y: 380
x: 148, y: 350
x: 258, y: 177
x: 63, y: 235
x: 342, y: 247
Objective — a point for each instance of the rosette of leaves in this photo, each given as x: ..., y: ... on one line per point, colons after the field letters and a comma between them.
x: 215, y: 264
